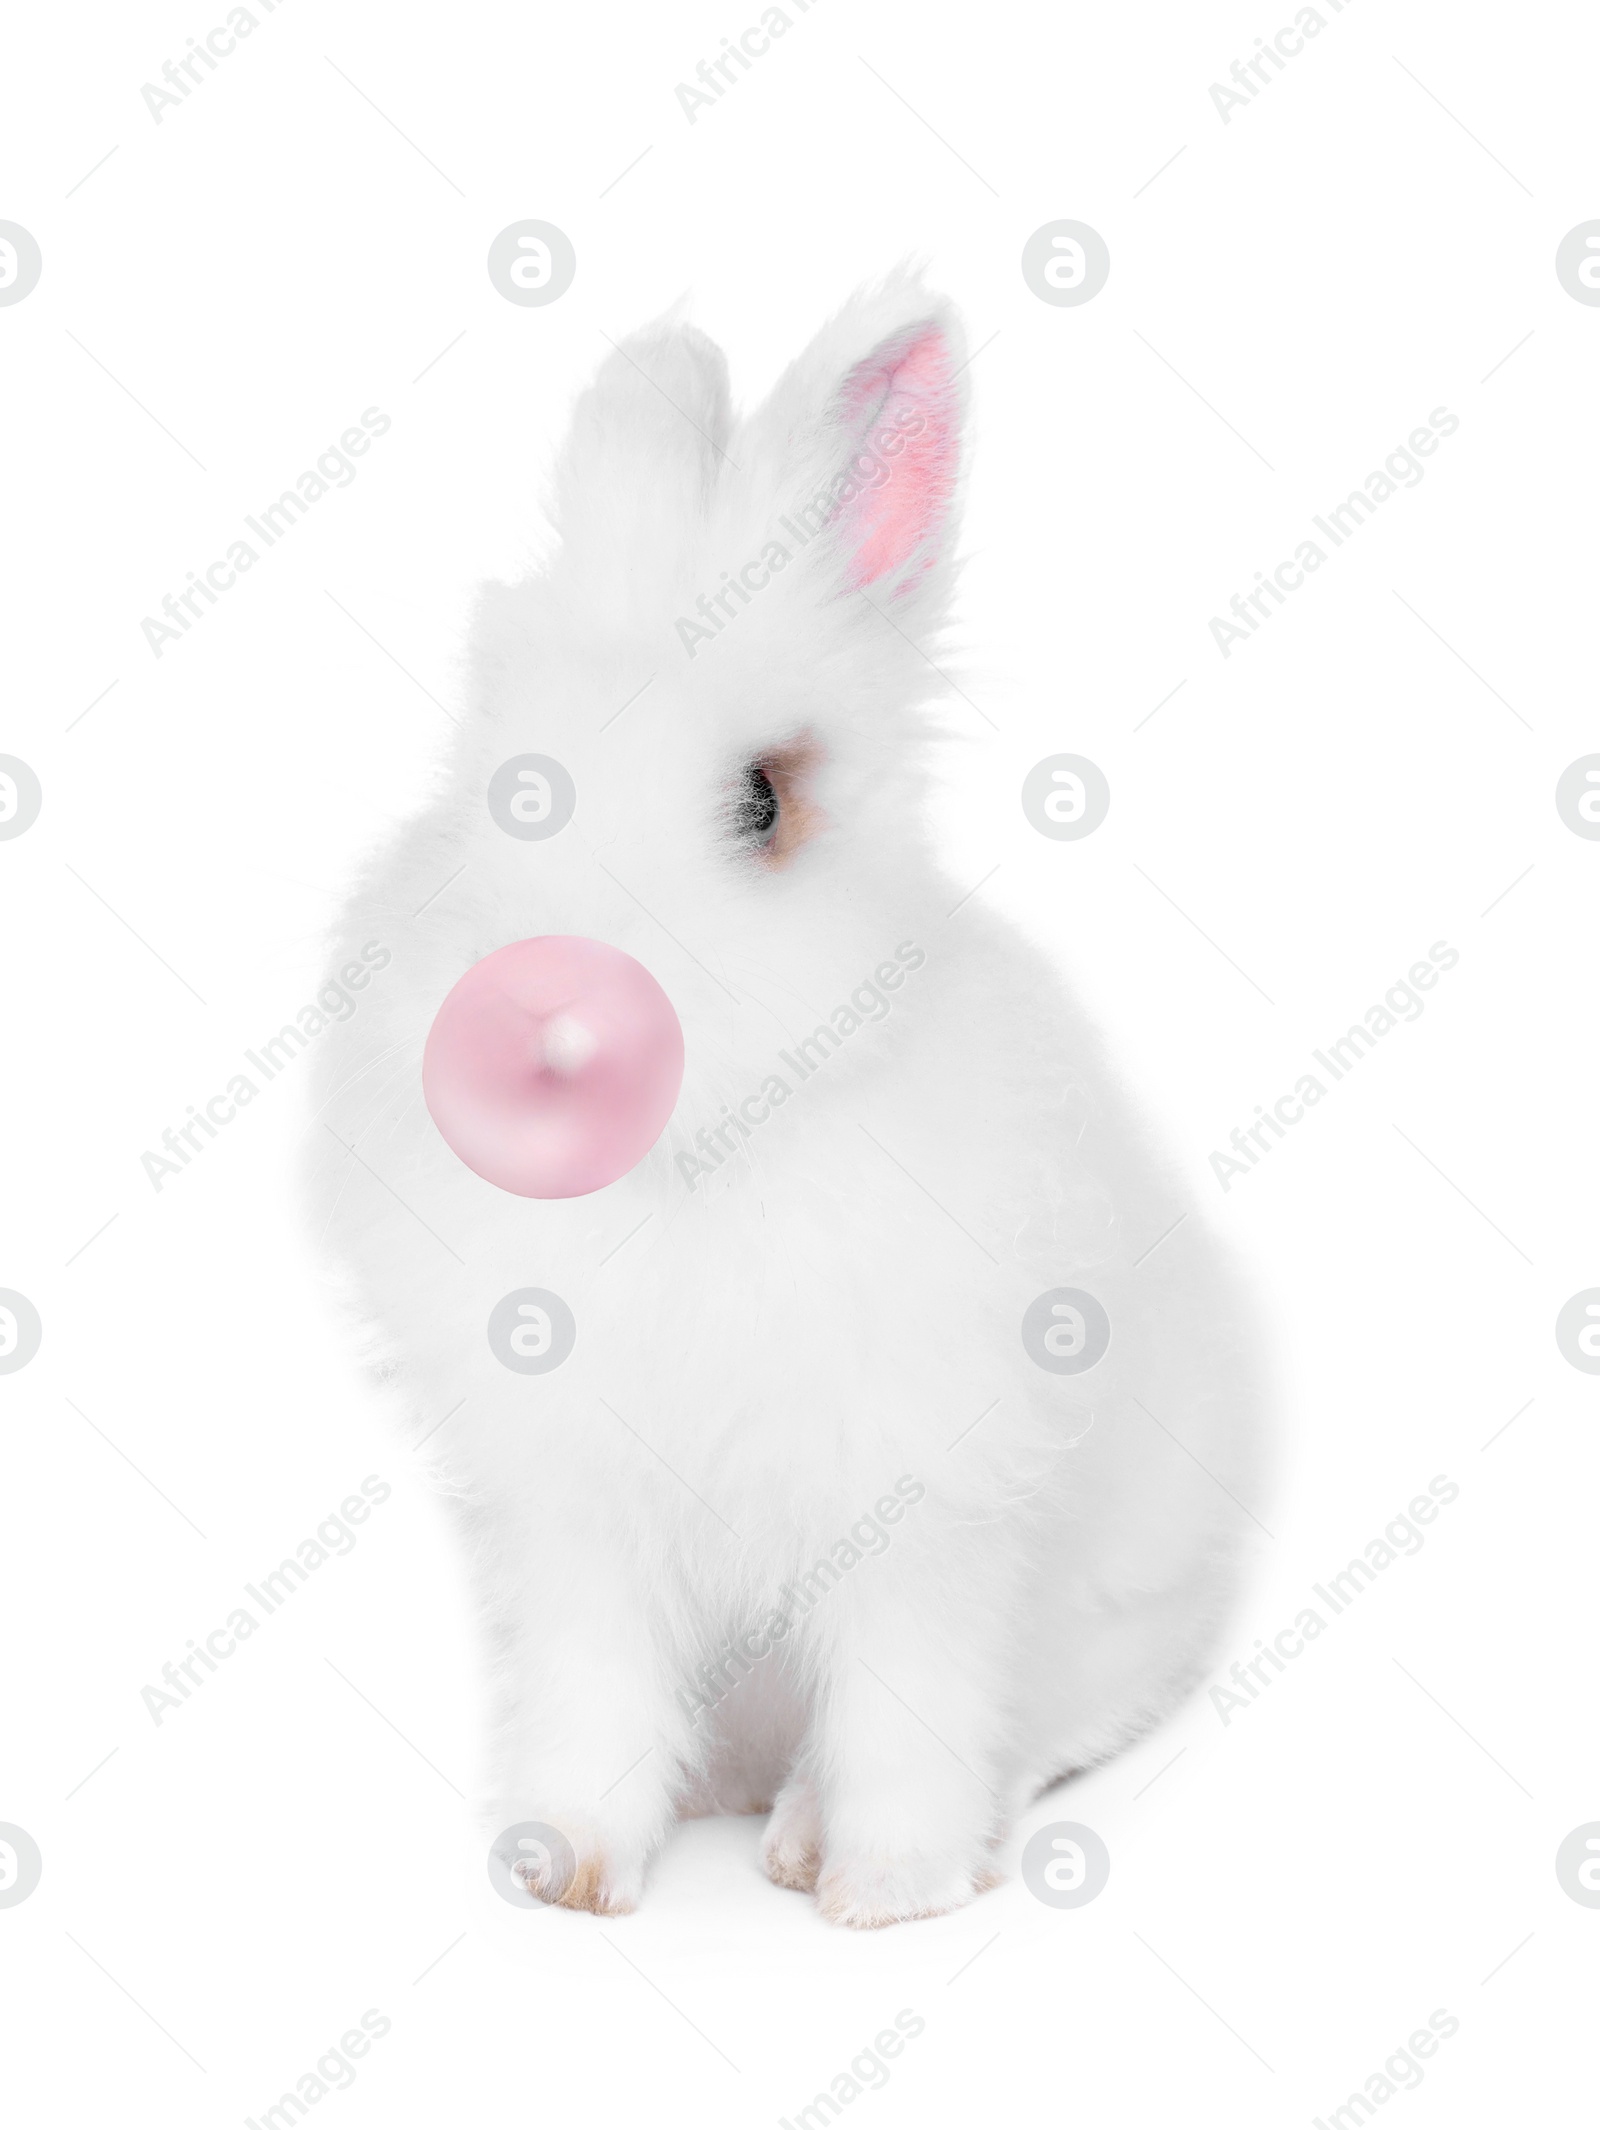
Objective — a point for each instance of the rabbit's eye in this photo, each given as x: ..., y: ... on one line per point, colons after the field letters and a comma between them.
x: 771, y: 806
x: 756, y: 810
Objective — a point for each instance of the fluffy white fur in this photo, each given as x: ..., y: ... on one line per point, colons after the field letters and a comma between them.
x: 771, y: 1351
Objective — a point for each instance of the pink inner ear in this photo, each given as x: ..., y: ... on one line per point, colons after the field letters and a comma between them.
x: 902, y: 390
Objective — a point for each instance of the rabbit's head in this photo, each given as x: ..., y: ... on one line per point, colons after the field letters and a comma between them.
x: 729, y: 655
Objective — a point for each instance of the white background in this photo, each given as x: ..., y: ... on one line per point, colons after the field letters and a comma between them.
x: 1371, y: 238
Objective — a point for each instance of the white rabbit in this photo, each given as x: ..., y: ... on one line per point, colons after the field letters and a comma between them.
x: 802, y: 1312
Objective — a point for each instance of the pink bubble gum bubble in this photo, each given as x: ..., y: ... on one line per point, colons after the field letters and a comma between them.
x: 552, y: 1066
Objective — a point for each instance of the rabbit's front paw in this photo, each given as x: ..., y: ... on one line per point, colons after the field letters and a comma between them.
x: 579, y: 1870
x: 791, y: 1850
x: 868, y: 1891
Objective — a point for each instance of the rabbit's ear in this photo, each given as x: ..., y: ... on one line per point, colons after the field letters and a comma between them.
x: 863, y: 436
x: 901, y: 414
x: 647, y: 441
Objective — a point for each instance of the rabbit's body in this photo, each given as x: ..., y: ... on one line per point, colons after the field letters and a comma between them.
x: 800, y: 1517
